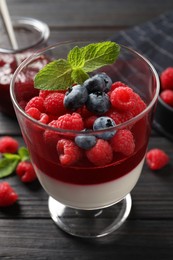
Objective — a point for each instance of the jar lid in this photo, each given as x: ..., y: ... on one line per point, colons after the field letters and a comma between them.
x: 29, y: 33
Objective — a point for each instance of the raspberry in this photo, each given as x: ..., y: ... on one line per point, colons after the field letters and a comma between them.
x: 167, y: 96
x: 69, y: 152
x: 37, y: 102
x: 26, y: 171
x: 51, y: 137
x: 166, y: 78
x: 119, y: 116
x: 139, y: 107
x: 123, y: 98
x: 54, y: 104
x: 123, y: 142
x: 36, y: 114
x: 88, y: 122
x: 117, y: 84
x: 101, y: 154
x: 156, y: 159
x: 70, y: 122
x: 7, y: 195
x: 8, y: 145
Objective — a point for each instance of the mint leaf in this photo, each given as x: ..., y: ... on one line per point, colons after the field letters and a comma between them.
x: 7, y: 166
x: 100, y: 54
x: 55, y: 75
x: 23, y: 153
x: 61, y: 74
x: 76, y: 58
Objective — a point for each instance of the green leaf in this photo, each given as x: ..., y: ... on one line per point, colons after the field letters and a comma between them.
x: 100, y: 54
x: 76, y: 58
x: 7, y: 166
x: 79, y: 76
x: 56, y: 75
x: 23, y: 153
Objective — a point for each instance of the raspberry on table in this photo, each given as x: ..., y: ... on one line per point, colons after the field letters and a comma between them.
x: 101, y: 154
x: 70, y: 122
x: 7, y: 195
x: 8, y: 145
x: 37, y: 102
x: 54, y: 103
x: 69, y: 152
x: 166, y: 78
x: 156, y: 159
x: 26, y: 171
x: 167, y: 96
x: 123, y: 98
x: 123, y: 142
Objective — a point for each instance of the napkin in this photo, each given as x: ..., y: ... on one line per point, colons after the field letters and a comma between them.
x: 153, y: 39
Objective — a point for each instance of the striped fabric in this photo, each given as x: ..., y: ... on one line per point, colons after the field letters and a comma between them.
x: 153, y: 39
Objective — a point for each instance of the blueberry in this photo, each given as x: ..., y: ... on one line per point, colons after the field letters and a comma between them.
x: 98, y: 103
x: 104, y: 122
x: 75, y: 97
x: 85, y: 141
x: 99, y: 82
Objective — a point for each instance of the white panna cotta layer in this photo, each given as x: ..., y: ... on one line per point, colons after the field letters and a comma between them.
x: 90, y: 196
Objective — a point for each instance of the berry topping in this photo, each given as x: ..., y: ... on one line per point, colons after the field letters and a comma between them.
x: 36, y: 114
x: 26, y: 171
x: 119, y: 116
x: 8, y: 145
x: 123, y: 98
x: 69, y: 152
x: 123, y: 142
x: 54, y: 104
x: 98, y: 103
x: 70, y: 122
x: 117, y: 84
x: 7, y: 195
x: 51, y: 136
x: 166, y: 78
x: 101, y: 154
x: 36, y: 102
x: 85, y: 141
x: 104, y: 122
x: 75, y: 97
x: 156, y: 159
x: 167, y: 96
x: 99, y: 82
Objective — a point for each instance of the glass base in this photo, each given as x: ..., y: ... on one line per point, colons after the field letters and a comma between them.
x: 90, y: 223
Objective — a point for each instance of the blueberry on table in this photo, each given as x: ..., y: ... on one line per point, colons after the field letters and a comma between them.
x: 104, y: 122
x: 75, y: 97
x: 99, y: 82
x: 98, y: 103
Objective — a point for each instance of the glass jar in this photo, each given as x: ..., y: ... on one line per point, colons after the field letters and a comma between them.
x: 31, y: 35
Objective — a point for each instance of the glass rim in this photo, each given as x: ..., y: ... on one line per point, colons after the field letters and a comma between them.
x: 118, y: 126
x: 37, y: 25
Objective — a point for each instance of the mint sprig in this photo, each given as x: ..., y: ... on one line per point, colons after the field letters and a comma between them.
x: 9, y: 161
x: 62, y: 73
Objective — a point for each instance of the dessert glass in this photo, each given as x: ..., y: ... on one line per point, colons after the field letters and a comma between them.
x: 31, y: 35
x: 87, y: 200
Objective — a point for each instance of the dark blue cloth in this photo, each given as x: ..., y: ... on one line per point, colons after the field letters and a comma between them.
x: 153, y: 39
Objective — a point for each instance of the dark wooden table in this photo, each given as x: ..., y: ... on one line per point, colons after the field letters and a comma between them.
x: 26, y: 230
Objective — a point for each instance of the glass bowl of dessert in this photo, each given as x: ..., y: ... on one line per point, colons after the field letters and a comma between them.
x: 30, y: 34
x: 87, y: 130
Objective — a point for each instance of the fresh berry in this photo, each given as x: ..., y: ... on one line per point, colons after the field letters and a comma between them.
x: 123, y: 142
x: 167, y: 96
x: 101, y: 154
x: 70, y: 122
x: 123, y: 98
x: 26, y: 171
x: 104, y: 122
x: 69, y: 153
x: 54, y: 105
x: 98, y: 83
x: 7, y: 195
x: 36, y: 114
x: 85, y: 141
x: 36, y: 102
x: 88, y: 122
x: 139, y: 106
x: 75, y: 97
x: 156, y: 159
x: 119, y: 117
x: 51, y: 137
x: 8, y: 145
x: 98, y: 103
x: 117, y: 84
x: 166, y: 78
